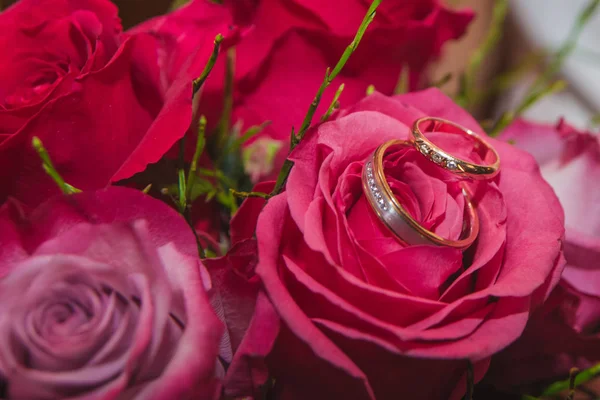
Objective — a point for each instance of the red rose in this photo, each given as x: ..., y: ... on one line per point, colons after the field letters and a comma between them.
x: 95, y: 97
x: 102, y: 296
x: 564, y: 333
x: 363, y: 317
x: 282, y: 59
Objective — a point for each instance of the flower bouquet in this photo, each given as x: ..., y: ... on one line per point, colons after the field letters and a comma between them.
x: 269, y: 199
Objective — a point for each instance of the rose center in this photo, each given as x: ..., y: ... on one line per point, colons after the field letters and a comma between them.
x: 35, y: 85
x: 64, y: 318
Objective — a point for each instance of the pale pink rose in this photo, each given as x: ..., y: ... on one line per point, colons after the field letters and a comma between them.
x: 102, y: 296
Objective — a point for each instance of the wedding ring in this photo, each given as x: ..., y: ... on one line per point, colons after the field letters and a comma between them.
x: 449, y: 162
x: 389, y: 210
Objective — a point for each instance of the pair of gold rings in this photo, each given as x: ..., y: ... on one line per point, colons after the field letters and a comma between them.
x: 389, y: 210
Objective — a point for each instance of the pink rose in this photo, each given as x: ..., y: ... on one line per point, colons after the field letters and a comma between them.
x: 99, y: 100
x: 102, y: 296
x: 361, y: 316
x: 282, y: 58
x: 564, y: 333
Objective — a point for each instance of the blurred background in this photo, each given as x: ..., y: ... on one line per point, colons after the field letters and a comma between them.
x: 531, y: 32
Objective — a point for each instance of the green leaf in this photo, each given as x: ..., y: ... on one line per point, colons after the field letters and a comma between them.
x: 220, y: 175
x: 201, y: 187
x: 247, y: 135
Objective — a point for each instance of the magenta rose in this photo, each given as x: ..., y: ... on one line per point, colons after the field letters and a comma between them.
x: 102, y: 296
x: 564, y: 333
x: 281, y: 60
x: 353, y: 314
x: 100, y: 101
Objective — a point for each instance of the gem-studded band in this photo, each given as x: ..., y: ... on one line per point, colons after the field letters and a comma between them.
x: 389, y: 210
x: 449, y: 162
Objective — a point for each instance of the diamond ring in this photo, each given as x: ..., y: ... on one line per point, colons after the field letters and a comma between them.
x: 389, y: 210
x: 449, y: 162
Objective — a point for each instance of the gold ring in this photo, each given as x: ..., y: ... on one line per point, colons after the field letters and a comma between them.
x: 389, y: 210
x: 449, y: 162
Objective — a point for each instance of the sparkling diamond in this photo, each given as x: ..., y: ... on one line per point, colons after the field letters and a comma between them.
x: 384, y: 207
x: 371, y: 181
x: 424, y: 149
x: 450, y: 164
x: 369, y: 165
x: 381, y: 201
x: 436, y: 158
x: 377, y: 194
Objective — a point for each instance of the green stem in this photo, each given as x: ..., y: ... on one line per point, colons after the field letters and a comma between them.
x: 182, y: 200
x: 48, y: 167
x: 200, y: 142
x: 329, y: 76
x: 334, y: 103
x: 572, y: 375
x: 543, y: 86
x: 494, y: 34
x: 442, y: 81
x: 568, y: 46
x: 198, y: 82
x: 582, y: 377
x: 403, y: 80
x: 507, y: 79
x: 188, y: 218
x: 282, y: 177
x: 470, y: 381
x: 508, y: 117
x: 245, y: 195
x: 224, y: 123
